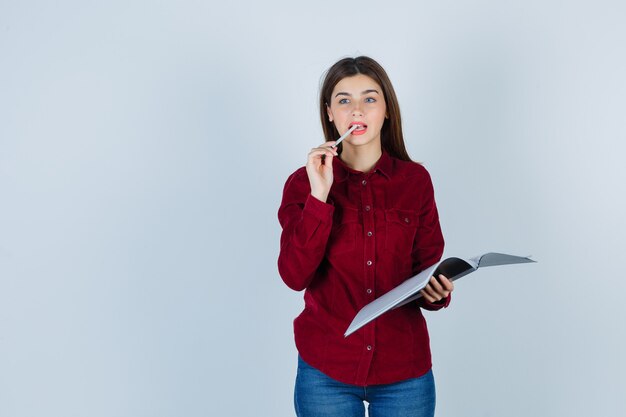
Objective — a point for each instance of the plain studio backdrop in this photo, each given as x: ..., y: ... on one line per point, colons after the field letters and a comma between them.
x: 143, y: 151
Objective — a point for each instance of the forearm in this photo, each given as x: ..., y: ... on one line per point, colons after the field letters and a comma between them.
x: 303, y: 243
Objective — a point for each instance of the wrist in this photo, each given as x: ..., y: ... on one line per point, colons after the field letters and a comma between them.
x: 321, y: 196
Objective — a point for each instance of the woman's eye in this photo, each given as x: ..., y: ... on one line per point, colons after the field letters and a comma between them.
x: 344, y: 101
x: 370, y: 100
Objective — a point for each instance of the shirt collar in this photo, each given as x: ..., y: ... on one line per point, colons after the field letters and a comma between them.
x: 384, y: 166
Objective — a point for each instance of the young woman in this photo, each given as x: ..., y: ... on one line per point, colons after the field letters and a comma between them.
x: 357, y: 221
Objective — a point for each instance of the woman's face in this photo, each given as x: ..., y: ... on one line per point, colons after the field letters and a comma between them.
x: 358, y: 100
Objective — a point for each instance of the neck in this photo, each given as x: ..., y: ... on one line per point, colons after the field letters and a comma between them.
x: 361, y: 158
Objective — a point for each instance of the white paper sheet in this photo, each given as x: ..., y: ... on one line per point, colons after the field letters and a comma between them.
x: 409, y: 289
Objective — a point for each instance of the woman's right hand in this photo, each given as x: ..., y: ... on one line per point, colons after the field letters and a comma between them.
x: 319, y: 168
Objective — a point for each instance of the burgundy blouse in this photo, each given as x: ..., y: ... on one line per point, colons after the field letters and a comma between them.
x: 374, y: 231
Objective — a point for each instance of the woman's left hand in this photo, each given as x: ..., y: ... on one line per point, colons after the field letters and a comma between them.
x: 437, y: 289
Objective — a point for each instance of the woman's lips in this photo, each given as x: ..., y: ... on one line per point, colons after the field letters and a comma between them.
x: 361, y: 129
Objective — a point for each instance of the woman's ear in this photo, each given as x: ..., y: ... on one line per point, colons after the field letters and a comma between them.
x: 329, y: 113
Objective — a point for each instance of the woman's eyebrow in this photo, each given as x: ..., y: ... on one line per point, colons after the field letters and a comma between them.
x: 343, y: 93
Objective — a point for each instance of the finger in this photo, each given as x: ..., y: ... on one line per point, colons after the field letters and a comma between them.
x: 441, y: 292
x: 317, y: 153
x: 446, y: 283
x: 427, y: 297
x: 436, y: 285
x: 324, y: 149
x: 329, y: 146
x: 431, y: 292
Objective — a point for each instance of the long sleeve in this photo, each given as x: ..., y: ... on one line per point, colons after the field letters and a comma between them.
x: 306, y: 223
x: 428, y: 245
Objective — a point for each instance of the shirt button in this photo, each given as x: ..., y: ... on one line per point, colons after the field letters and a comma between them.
x: 367, y: 208
x: 369, y: 347
x: 369, y: 263
x: 370, y: 233
x: 369, y: 290
x: 363, y: 182
x: 406, y: 220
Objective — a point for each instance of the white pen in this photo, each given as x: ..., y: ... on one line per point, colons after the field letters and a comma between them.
x: 345, y: 135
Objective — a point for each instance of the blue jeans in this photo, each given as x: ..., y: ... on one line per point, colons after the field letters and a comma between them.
x: 317, y: 395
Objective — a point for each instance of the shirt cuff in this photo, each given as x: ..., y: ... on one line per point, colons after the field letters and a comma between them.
x: 319, y: 209
x: 443, y: 303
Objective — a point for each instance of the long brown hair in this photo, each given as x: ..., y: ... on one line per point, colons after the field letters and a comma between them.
x: 391, y: 136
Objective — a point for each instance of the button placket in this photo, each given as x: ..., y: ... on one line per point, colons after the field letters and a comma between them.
x: 369, y: 252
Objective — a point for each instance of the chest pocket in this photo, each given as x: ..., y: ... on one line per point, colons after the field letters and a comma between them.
x: 342, y: 237
x: 401, y: 226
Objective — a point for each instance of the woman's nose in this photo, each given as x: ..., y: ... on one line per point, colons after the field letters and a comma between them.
x: 356, y: 110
